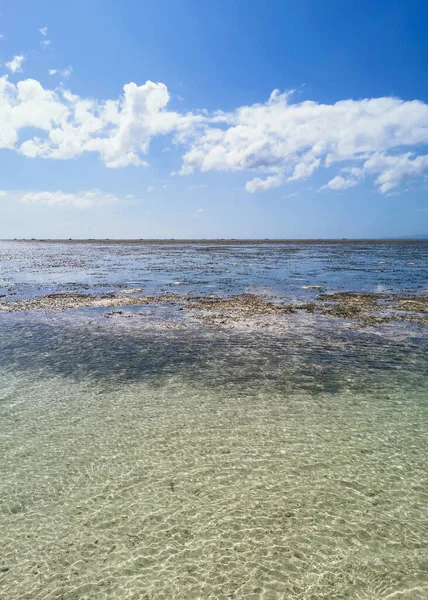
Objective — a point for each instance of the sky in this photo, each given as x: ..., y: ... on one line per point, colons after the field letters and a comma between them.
x: 226, y: 119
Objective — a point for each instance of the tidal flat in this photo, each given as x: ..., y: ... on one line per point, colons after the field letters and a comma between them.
x: 225, y: 421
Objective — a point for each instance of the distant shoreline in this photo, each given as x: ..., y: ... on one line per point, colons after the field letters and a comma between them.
x: 225, y: 242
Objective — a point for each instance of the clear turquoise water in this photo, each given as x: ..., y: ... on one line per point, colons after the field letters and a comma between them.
x: 139, y: 462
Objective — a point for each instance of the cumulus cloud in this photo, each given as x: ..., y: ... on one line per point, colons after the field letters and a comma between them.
x: 305, y: 168
x: 292, y: 140
x: 340, y: 183
x: 273, y: 142
x: 391, y: 170
x: 82, y: 200
x: 15, y: 64
x: 257, y: 184
x: 119, y: 131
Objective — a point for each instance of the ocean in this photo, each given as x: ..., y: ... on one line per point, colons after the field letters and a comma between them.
x: 149, y: 454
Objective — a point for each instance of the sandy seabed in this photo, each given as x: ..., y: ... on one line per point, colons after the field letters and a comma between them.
x: 222, y: 420
x: 193, y: 460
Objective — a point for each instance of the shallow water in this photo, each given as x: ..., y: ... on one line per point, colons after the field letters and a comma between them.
x: 30, y: 268
x: 148, y: 463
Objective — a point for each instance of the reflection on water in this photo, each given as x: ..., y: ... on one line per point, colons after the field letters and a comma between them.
x: 211, y: 464
x: 283, y: 269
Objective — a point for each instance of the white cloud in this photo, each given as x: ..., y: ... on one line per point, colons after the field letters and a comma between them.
x: 86, y: 199
x: 150, y: 188
x: 44, y: 43
x: 275, y: 142
x: 1, y: 36
x: 119, y: 131
x: 393, y: 169
x: 199, y: 211
x: 340, y: 183
x: 305, y: 168
x: 294, y: 140
x: 15, y: 64
x: 257, y: 184
x: 3, y: 193
x: 390, y: 171
x: 65, y: 73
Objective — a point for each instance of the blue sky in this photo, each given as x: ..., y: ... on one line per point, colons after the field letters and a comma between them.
x: 160, y: 118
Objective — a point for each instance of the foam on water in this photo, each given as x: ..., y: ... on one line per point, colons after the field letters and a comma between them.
x: 211, y: 464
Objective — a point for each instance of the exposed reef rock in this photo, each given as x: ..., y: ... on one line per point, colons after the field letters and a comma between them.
x: 361, y: 308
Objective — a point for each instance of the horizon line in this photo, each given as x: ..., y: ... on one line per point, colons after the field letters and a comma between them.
x: 219, y: 240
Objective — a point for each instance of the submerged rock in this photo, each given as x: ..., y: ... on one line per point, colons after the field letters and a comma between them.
x: 65, y: 301
x: 251, y: 309
x: 375, y: 308
x: 223, y: 311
